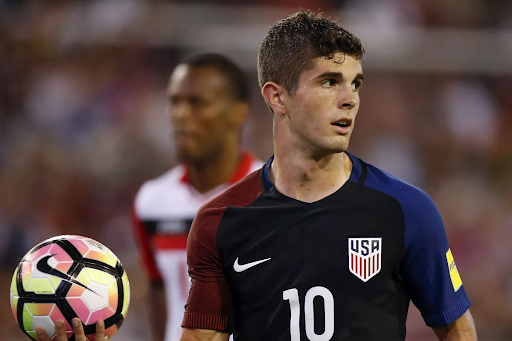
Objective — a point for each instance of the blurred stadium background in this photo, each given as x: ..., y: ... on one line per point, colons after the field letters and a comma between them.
x: 83, y: 121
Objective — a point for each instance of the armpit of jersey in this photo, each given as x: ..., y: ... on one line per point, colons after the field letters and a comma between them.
x: 209, y: 303
x: 425, y: 268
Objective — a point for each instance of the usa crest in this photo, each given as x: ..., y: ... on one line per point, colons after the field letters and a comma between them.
x: 364, y: 257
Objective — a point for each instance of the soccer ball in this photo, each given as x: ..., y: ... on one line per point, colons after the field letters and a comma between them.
x: 66, y: 277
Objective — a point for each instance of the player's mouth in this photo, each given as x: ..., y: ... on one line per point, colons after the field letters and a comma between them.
x: 342, y: 126
x: 182, y: 136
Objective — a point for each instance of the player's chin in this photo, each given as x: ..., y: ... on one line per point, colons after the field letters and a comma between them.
x: 339, y: 144
x: 192, y: 156
x: 333, y: 148
x: 185, y: 155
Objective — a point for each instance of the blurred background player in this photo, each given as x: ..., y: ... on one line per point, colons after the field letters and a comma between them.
x: 208, y: 104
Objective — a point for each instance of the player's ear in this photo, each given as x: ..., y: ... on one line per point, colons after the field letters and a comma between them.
x: 273, y: 95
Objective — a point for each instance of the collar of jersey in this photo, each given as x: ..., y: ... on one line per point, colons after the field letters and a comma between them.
x: 354, y: 175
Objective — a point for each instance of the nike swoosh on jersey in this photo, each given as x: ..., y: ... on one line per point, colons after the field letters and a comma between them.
x: 243, y: 267
x: 44, y: 267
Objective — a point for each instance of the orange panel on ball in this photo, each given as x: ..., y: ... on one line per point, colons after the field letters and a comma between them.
x: 75, y: 291
x: 57, y: 315
x: 99, y: 256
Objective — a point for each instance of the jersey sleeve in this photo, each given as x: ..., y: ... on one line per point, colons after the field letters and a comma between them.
x: 209, y: 302
x: 428, y: 268
x: 145, y: 249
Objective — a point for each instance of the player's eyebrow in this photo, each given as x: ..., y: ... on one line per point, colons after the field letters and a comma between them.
x: 339, y: 75
x: 330, y: 75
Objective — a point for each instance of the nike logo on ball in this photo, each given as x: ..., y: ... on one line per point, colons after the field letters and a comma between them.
x: 44, y: 267
x: 243, y: 267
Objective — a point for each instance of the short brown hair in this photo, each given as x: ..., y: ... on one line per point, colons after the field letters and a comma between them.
x: 292, y: 43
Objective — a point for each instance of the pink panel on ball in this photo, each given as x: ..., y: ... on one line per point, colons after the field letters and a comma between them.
x: 80, y: 308
x: 64, y: 267
x: 102, y: 314
x: 75, y: 291
x: 60, y: 254
x: 80, y: 245
x: 39, y: 253
x: 57, y: 315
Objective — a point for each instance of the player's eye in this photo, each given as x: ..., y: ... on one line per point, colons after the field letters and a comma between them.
x: 173, y: 100
x: 195, y: 101
x: 356, y: 85
x: 329, y: 82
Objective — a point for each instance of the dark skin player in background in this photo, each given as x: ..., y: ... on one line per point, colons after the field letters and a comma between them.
x: 207, y: 121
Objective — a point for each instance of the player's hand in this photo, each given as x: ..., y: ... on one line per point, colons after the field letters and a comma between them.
x: 78, y: 329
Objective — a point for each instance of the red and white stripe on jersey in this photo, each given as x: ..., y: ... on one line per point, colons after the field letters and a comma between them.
x: 145, y: 248
x: 162, y: 215
x: 365, y: 267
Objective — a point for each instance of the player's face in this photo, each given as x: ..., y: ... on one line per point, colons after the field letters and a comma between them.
x: 198, y: 105
x: 323, y: 110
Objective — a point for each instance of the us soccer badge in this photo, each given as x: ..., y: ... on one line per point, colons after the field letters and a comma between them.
x: 364, y: 257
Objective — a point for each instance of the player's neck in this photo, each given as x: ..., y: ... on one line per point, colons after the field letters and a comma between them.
x: 307, y: 178
x: 207, y: 174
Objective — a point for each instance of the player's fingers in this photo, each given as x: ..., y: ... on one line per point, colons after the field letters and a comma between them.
x: 78, y: 330
x: 60, y: 330
x: 41, y: 334
x: 100, y: 331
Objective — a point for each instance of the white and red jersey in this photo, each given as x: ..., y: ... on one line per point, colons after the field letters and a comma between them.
x: 163, y: 212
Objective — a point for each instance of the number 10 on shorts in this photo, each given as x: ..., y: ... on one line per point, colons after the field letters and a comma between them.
x: 292, y: 295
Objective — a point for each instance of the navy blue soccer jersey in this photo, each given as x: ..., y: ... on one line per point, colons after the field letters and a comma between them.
x: 268, y: 267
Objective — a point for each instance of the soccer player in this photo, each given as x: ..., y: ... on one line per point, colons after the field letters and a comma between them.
x: 208, y: 97
x: 319, y: 245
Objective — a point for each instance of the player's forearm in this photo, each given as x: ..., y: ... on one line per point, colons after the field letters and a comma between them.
x: 202, y: 335
x: 157, y: 310
x: 461, y: 330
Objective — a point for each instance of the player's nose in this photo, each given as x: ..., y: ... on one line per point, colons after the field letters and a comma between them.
x: 179, y: 112
x: 348, y: 99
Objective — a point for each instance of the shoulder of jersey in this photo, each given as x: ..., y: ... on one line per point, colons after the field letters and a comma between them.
x: 409, y: 196
x: 240, y: 194
x: 155, y: 192
x: 256, y: 165
x: 157, y: 188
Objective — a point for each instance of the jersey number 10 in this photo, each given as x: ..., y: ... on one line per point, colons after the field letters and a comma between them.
x: 292, y: 295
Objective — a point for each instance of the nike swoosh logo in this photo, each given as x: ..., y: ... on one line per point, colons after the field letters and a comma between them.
x: 44, y: 267
x: 243, y: 267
